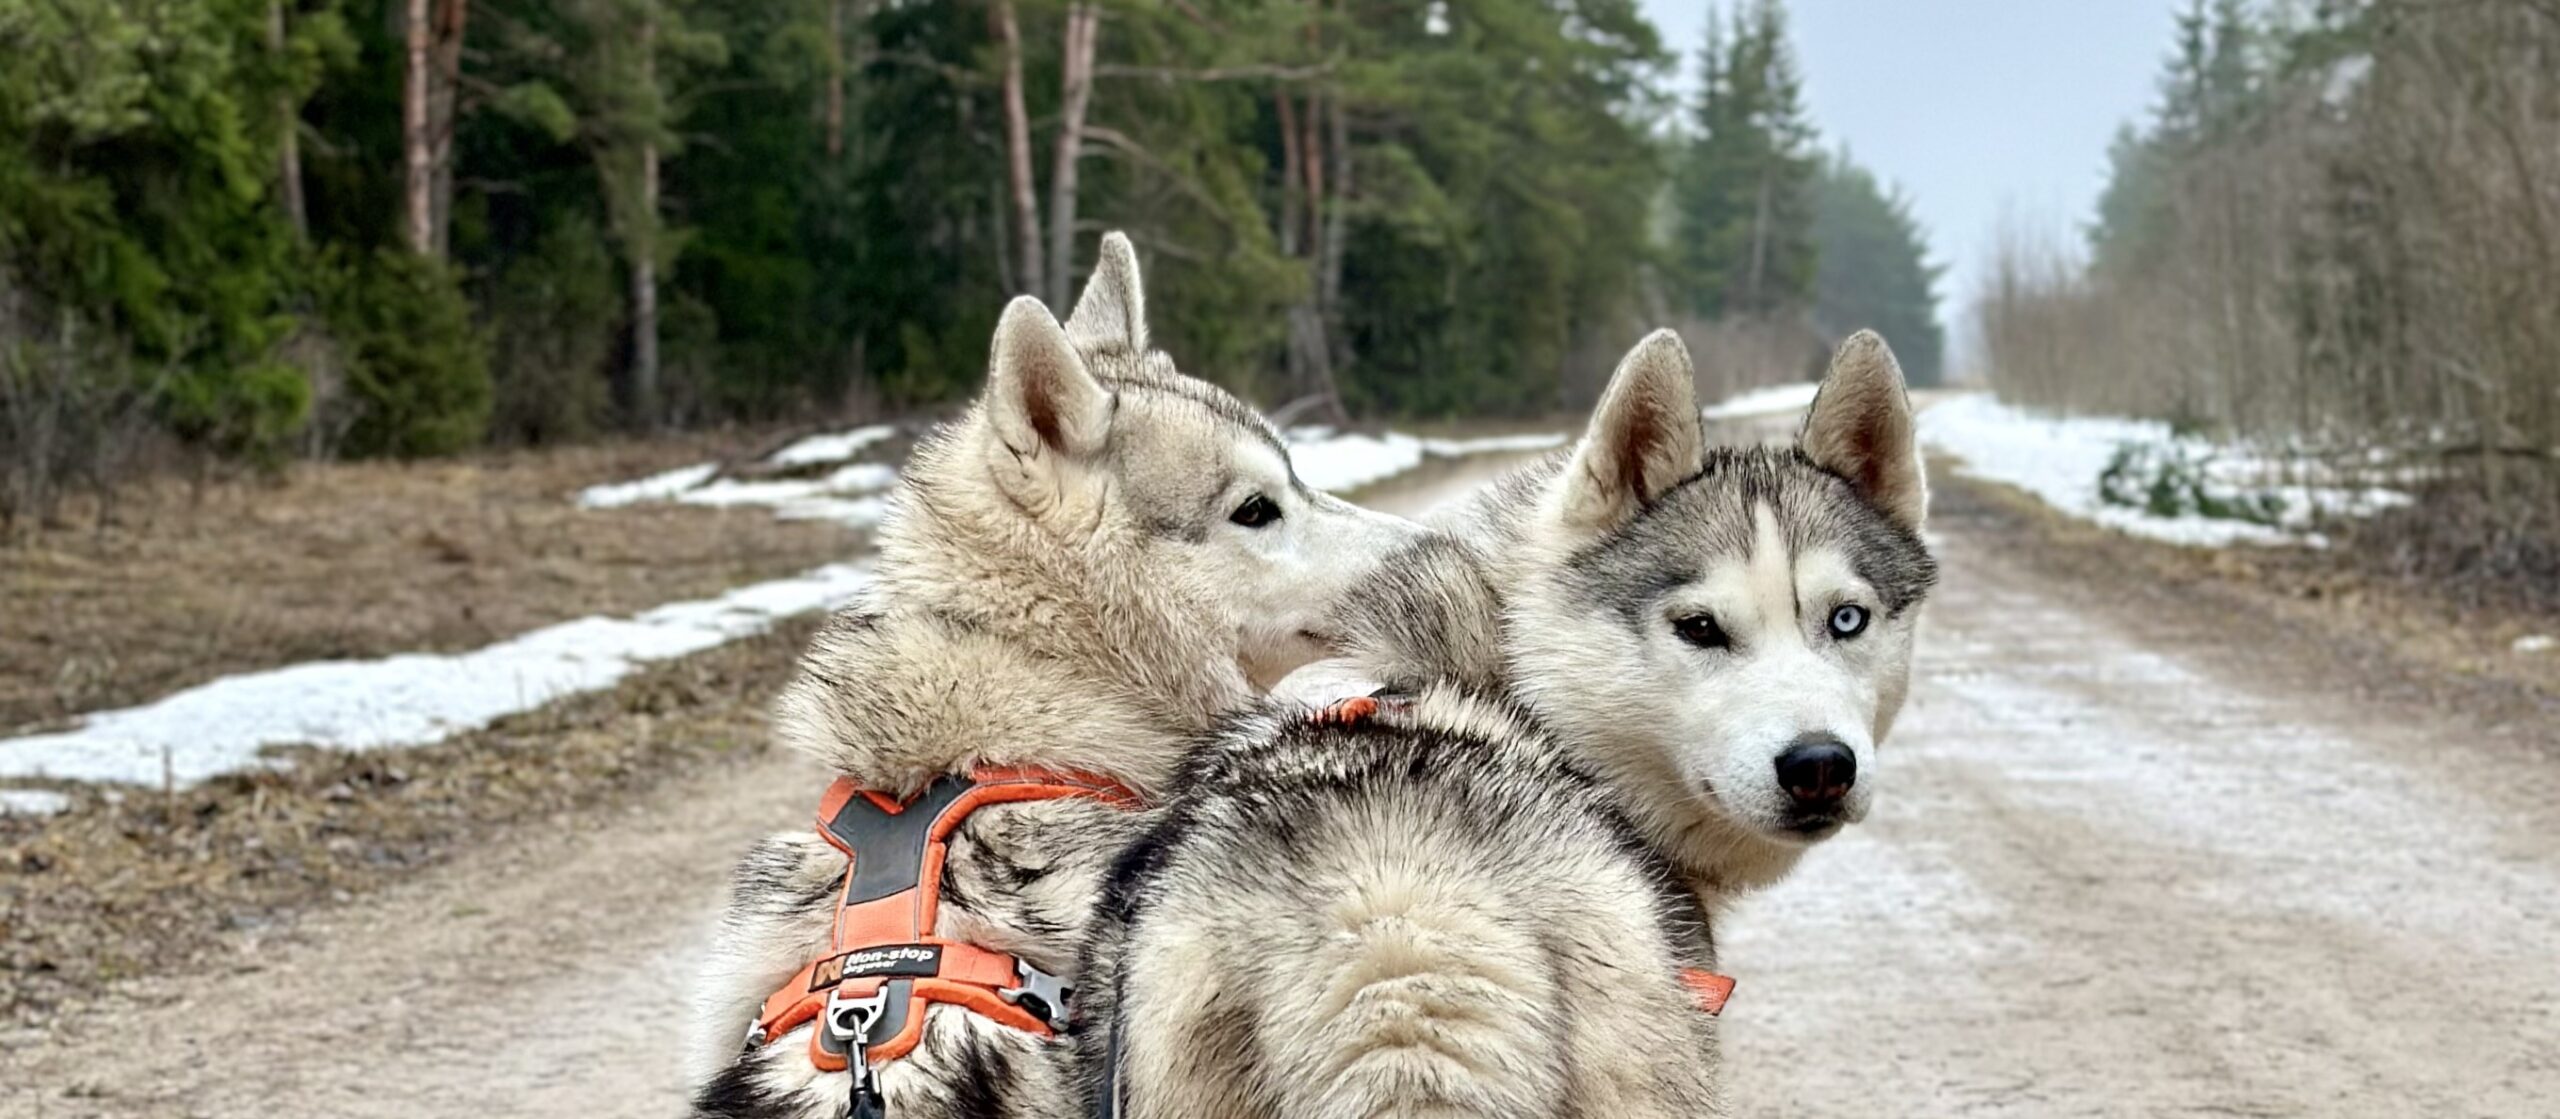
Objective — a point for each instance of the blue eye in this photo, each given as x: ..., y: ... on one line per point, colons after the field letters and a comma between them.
x: 1848, y: 620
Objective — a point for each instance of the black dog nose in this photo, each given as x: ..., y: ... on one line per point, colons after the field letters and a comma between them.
x: 1817, y: 771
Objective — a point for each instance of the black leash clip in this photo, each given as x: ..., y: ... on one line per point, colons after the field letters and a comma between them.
x: 849, y: 1021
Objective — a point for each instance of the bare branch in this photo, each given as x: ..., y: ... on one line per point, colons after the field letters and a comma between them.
x: 957, y: 75
x: 1135, y: 152
x: 1254, y: 73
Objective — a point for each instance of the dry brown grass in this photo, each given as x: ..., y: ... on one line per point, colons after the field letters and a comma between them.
x: 134, y: 879
x: 190, y: 581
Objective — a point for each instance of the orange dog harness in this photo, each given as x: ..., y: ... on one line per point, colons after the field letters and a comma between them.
x: 884, y: 966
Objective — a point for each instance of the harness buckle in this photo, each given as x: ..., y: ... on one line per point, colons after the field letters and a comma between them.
x: 1042, y: 994
x: 849, y: 1020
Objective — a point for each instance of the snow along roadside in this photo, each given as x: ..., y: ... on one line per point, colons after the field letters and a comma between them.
x: 2061, y: 459
x: 406, y: 700
x: 413, y: 699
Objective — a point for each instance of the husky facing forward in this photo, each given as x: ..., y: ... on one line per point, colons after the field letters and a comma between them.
x: 1649, y: 675
x: 1077, y: 576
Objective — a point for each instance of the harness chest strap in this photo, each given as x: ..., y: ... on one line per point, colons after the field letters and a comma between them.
x: 884, y: 966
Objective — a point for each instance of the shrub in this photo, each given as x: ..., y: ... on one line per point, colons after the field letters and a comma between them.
x: 553, y: 316
x: 2175, y: 480
x: 417, y: 372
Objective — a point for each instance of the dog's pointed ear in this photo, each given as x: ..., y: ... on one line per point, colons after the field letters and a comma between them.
x: 1113, y: 309
x: 1645, y: 437
x: 1860, y: 428
x: 1040, y: 398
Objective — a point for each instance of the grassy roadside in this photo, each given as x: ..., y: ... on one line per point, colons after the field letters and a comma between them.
x: 185, y: 583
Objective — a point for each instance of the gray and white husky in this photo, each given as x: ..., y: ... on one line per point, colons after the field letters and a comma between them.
x: 1645, y: 676
x: 1081, y: 574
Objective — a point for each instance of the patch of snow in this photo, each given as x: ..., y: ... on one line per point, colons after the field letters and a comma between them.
x: 1336, y: 462
x: 32, y: 802
x: 836, y: 497
x: 2060, y: 460
x: 2535, y: 643
x: 861, y: 477
x: 1339, y: 462
x: 1495, y: 444
x: 835, y: 446
x: 1776, y: 400
x: 406, y: 700
x: 655, y: 487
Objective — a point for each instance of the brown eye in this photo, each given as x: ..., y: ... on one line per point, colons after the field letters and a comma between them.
x: 1702, y: 631
x: 1256, y: 512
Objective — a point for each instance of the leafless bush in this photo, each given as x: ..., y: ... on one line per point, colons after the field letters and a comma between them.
x: 73, y: 412
x: 2366, y: 269
x: 1738, y: 353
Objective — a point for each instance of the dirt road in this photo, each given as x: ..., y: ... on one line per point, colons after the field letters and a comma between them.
x: 2135, y: 858
x: 2142, y: 857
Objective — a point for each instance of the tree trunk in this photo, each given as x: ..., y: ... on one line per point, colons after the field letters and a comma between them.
x: 1290, y: 175
x: 288, y: 137
x: 1759, y: 243
x: 1337, y: 222
x: 417, y: 193
x: 1017, y: 143
x: 1305, y: 355
x: 835, y: 77
x: 431, y: 33
x: 1075, y: 92
x: 643, y: 247
x: 1313, y: 160
x: 444, y: 93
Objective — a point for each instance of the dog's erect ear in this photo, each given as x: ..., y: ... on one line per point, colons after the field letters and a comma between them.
x: 1039, y: 396
x: 1645, y: 437
x: 1113, y: 309
x: 1860, y: 428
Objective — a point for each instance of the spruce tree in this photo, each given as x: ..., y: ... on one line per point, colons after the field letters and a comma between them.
x: 1744, y: 204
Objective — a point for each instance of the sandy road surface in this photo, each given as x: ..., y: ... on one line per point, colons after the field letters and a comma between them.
x: 2133, y: 859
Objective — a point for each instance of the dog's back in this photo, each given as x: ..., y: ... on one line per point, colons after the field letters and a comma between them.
x: 1427, y: 912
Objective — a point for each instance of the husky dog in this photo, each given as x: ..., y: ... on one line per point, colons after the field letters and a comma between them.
x: 1645, y: 677
x: 1080, y: 574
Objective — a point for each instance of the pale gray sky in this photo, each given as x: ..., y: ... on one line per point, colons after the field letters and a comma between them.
x: 1973, y: 106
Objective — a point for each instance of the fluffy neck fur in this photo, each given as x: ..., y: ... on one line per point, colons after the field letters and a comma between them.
x: 1003, y: 635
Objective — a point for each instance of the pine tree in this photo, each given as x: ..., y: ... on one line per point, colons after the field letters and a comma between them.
x: 1744, y: 208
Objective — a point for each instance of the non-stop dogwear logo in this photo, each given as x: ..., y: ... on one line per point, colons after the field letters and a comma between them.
x: 911, y: 960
